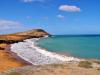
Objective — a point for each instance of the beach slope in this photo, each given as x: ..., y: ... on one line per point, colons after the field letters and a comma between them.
x: 8, y: 59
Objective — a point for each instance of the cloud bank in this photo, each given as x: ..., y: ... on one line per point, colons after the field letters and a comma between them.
x: 60, y: 16
x: 29, y: 1
x: 69, y: 8
x: 8, y: 26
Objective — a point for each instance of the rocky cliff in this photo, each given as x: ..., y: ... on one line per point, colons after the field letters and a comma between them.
x: 8, y: 59
x: 20, y: 36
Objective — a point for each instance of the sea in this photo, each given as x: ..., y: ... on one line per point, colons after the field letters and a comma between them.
x: 81, y: 46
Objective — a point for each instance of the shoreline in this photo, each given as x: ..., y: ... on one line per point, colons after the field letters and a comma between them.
x: 47, y: 55
x: 10, y: 60
x: 27, y: 63
x: 14, y: 55
x: 69, y: 54
x: 18, y: 57
x: 58, y: 69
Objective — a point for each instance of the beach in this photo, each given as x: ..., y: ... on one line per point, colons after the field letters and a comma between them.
x: 25, y: 56
x: 9, y: 60
x: 77, y: 46
x: 28, y: 58
x: 29, y: 51
x: 52, y: 69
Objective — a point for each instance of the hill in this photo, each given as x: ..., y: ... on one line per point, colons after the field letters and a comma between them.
x: 20, y: 36
x: 8, y: 59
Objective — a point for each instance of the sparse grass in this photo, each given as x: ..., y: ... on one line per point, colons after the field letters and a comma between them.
x: 98, y: 62
x: 59, y: 65
x: 98, y: 68
x: 14, y: 73
x: 85, y: 64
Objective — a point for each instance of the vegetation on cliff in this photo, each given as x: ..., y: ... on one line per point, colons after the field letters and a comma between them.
x: 53, y: 69
x: 8, y: 59
x: 20, y: 36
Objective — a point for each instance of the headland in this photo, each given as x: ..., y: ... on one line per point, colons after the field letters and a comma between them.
x: 16, y: 50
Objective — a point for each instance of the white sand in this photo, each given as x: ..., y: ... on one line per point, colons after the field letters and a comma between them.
x: 36, y: 55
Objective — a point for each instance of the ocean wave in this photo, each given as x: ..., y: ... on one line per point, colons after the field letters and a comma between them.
x: 29, y: 51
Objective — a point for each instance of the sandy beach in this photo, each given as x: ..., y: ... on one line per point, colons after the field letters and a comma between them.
x: 13, y: 63
x: 38, y: 56
x: 9, y: 60
x: 26, y: 57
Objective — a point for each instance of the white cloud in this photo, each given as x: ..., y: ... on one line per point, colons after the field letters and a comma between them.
x: 8, y: 26
x: 69, y: 8
x: 60, y: 16
x: 29, y: 1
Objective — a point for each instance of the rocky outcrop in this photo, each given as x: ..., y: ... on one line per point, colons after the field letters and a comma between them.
x: 34, y: 33
x: 20, y: 36
x: 8, y: 59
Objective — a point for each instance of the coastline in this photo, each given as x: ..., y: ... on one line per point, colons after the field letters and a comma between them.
x: 70, y: 68
x: 20, y: 51
x: 10, y: 60
x: 55, y: 57
x: 14, y: 55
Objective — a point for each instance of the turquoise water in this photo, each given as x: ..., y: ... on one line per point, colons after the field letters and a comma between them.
x: 78, y: 46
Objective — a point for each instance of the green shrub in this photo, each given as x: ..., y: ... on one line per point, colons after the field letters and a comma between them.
x: 85, y: 64
x: 14, y: 73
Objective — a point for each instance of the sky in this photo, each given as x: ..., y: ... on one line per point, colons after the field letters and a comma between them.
x: 54, y: 16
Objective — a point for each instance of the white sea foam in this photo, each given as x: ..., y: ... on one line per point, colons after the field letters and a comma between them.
x: 29, y: 51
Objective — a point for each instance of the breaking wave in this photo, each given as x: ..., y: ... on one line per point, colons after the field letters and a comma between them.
x: 29, y: 51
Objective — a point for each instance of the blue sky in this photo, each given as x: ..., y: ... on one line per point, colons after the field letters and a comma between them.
x: 55, y: 16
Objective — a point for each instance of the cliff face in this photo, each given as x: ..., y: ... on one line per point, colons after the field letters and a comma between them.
x: 8, y: 59
x: 20, y: 36
x: 34, y: 33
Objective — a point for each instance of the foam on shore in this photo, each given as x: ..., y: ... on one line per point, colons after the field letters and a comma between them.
x: 29, y: 51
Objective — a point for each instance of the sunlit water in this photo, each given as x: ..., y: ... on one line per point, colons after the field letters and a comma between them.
x: 78, y: 46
